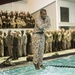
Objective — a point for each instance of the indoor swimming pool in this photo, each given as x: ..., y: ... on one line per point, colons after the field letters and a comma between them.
x: 61, y: 66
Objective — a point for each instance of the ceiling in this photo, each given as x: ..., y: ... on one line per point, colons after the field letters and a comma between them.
x: 7, y: 1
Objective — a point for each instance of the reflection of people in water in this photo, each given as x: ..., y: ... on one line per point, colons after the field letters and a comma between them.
x: 38, y: 39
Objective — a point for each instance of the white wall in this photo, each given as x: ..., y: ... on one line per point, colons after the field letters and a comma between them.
x: 15, y: 6
x: 31, y: 5
x: 20, y: 6
x: 51, y: 12
x: 71, y: 6
x: 35, y: 5
x: 7, y: 7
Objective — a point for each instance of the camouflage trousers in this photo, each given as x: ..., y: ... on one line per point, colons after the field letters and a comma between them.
x: 38, y: 43
x: 68, y: 44
x: 10, y: 50
x: 1, y: 50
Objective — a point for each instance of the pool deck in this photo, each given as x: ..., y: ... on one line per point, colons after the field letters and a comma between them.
x: 52, y: 55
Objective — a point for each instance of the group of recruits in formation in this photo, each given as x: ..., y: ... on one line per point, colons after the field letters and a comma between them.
x: 16, y: 20
x: 37, y: 41
x: 54, y: 41
x: 60, y: 40
x: 15, y: 44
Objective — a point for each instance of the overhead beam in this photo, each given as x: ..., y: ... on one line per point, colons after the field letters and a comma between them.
x: 7, y: 1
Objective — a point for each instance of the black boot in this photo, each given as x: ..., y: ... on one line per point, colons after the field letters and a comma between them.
x: 42, y: 66
x: 36, y: 66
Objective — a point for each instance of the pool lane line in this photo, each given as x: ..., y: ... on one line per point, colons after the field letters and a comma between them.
x: 61, y: 66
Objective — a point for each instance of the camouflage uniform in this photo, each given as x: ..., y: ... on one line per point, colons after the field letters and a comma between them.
x: 1, y: 46
x: 68, y: 40
x: 0, y: 22
x: 10, y: 44
x: 23, y: 44
x: 49, y: 39
x: 64, y: 41
x: 59, y: 46
x: 19, y: 46
x: 38, y: 39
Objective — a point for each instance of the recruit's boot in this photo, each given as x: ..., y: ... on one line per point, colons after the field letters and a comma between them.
x: 36, y: 66
x: 42, y: 66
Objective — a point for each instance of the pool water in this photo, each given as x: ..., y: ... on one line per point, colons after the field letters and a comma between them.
x: 50, y: 70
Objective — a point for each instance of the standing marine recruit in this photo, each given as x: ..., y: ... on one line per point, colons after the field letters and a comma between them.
x: 42, y: 23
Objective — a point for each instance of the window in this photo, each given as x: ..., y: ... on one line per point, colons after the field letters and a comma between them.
x: 64, y: 14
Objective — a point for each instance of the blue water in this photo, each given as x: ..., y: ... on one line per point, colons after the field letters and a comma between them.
x: 50, y: 70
